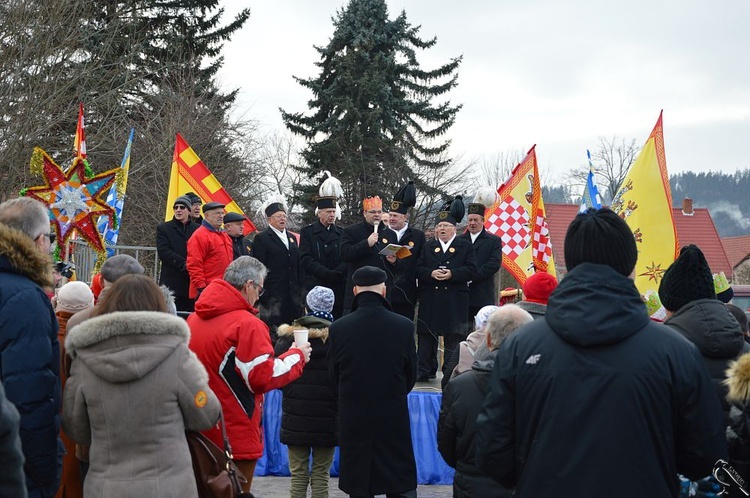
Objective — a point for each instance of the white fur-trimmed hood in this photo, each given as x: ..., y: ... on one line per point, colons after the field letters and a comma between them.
x: 126, y: 346
x: 122, y: 323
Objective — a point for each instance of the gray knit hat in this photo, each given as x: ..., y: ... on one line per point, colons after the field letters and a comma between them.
x: 320, y: 299
x: 119, y: 265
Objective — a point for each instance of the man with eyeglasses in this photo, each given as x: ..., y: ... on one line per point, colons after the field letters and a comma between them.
x: 361, y: 244
x: 277, y: 249
x: 171, y: 246
x: 209, y: 250
x: 234, y: 346
x: 30, y: 352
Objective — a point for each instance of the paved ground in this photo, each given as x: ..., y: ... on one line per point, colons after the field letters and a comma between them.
x: 278, y: 487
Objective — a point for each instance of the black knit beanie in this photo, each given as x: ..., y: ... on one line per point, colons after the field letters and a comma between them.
x: 600, y: 236
x: 687, y: 279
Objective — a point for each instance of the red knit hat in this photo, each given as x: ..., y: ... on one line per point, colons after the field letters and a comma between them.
x: 538, y: 287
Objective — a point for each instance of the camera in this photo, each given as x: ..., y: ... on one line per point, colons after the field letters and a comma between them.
x: 65, y: 269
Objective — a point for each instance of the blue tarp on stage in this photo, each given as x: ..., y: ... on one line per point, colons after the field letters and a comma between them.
x: 424, y: 408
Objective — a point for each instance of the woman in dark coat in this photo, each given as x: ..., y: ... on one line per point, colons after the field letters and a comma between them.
x: 309, y: 421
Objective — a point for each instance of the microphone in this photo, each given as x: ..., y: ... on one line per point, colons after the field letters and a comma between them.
x: 375, y: 226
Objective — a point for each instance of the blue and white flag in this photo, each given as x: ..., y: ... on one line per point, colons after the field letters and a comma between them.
x: 116, y: 201
x: 591, y: 197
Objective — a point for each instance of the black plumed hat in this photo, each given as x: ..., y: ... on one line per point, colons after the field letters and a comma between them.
x: 688, y: 279
x: 452, y: 211
x: 600, y: 236
x: 404, y: 198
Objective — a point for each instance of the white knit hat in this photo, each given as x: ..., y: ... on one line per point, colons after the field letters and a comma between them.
x: 74, y: 297
x: 320, y: 299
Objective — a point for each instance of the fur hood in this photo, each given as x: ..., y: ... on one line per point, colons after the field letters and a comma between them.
x: 127, y: 346
x: 121, y: 323
x: 738, y: 379
x: 317, y: 328
x: 24, y: 257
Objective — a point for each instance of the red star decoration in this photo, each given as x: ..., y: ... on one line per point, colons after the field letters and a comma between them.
x: 74, y: 201
x: 653, y: 272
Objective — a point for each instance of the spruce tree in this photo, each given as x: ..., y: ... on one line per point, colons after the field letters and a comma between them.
x: 374, y: 119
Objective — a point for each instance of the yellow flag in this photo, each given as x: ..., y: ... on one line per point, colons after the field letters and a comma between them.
x: 644, y: 201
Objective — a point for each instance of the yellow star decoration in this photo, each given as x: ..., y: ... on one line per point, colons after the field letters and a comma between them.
x: 653, y: 272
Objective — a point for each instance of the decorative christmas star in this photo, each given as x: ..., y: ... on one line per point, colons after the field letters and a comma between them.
x: 74, y: 201
x: 653, y: 272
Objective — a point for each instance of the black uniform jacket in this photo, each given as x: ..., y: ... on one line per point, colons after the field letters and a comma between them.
x: 443, y: 305
x: 282, y: 300
x: 489, y: 251
x: 405, y: 270
x: 320, y: 256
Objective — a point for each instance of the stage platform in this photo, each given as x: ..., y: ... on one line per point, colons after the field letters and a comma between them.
x: 424, y: 408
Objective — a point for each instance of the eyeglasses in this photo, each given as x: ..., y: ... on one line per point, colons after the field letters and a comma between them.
x: 179, y: 206
x: 259, y: 288
x: 51, y: 236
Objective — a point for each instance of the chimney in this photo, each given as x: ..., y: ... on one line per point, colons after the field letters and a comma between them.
x: 687, y: 206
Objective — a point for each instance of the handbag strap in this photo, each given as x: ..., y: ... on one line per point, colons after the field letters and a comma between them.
x: 227, y: 446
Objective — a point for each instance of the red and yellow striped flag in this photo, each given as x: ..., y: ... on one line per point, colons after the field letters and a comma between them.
x: 190, y: 174
x: 79, y: 144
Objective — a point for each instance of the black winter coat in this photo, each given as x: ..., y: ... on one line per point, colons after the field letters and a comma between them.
x: 738, y: 432
x: 171, y: 246
x: 372, y: 361
x: 489, y: 251
x: 405, y: 270
x: 356, y: 253
x: 282, y: 300
x: 309, y: 408
x: 595, y: 399
x: 444, y: 305
x: 320, y: 257
x: 462, y: 399
x: 241, y: 246
x: 709, y: 325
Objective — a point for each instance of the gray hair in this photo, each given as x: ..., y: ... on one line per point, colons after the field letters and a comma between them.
x: 26, y: 215
x: 243, y: 269
x: 504, y: 321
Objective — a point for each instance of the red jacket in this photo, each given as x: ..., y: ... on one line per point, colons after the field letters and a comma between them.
x: 209, y: 252
x: 235, y: 347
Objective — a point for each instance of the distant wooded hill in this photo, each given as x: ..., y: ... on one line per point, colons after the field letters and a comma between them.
x: 725, y: 196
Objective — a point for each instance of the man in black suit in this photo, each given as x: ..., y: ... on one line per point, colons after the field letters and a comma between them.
x: 361, y: 244
x: 171, y: 246
x: 444, y: 269
x: 277, y: 249
x: 404, y: 271
x: 320, y: 253
x: 489, y: 251
x: 372, y: 363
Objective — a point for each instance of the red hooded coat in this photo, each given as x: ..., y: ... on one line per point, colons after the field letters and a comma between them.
x: 235, y: 347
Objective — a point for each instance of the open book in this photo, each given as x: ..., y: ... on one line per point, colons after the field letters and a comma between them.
x: 400, y: 252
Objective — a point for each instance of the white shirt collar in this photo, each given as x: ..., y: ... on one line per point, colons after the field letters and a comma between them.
x: 400, y: 233
x: 446, y: 245
x: 281, y: 235
x: 474, y: 236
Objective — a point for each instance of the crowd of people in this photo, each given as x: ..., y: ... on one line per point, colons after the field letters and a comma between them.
x: 573, y: 390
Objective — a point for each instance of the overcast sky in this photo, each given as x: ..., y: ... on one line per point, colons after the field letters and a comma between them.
x: 558, y: 74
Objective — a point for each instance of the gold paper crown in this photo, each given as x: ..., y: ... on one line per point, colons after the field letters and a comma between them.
x: 720, y: 282
x: 372, y: 203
